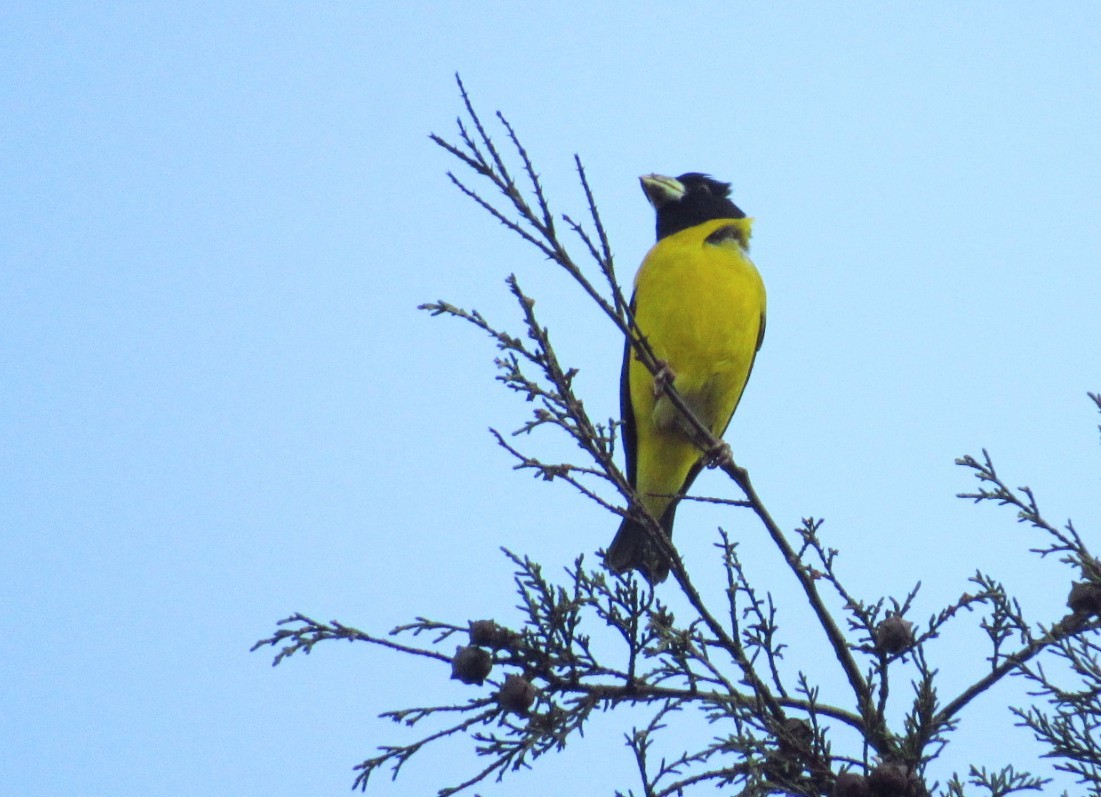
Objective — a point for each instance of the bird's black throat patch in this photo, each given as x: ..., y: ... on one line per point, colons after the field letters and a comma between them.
x: 728, y: 232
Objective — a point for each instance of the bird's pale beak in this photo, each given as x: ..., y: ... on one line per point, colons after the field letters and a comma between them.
x: 661, y: 190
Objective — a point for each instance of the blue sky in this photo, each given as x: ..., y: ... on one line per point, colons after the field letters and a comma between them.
x: 219, y: 405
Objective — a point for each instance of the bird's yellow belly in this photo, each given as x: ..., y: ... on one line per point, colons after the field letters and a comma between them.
x: 703, y: 320
x: 700, y: 306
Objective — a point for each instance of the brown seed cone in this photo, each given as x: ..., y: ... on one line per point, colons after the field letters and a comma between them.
x: 471, y: 665
x: 894, y: 635
x: 1085, y: 599
x: 491, y: 635
x: 850, y: 784
x: 517, y: 694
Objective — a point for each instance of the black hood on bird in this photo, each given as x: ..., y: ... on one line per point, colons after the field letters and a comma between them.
x: 688, y: 200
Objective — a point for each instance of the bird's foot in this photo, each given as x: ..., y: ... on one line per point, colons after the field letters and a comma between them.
x: 719, y: 456
x: 663, y: 378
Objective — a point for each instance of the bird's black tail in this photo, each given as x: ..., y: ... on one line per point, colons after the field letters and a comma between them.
x: 632, y: 549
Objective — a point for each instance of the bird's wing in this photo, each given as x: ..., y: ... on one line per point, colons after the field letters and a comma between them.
x: 627, y: 411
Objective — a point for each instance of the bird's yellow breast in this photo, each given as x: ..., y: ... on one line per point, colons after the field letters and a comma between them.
x: 700, y: 306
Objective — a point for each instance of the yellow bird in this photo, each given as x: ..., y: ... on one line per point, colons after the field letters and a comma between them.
x: 700, y: 303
